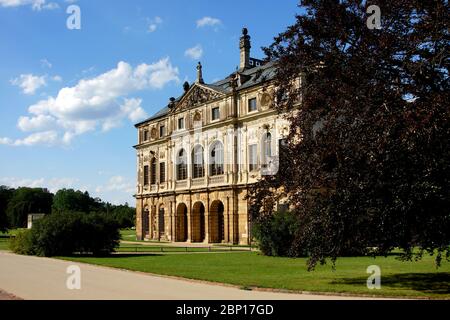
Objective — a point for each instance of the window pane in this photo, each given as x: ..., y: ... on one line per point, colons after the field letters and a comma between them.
x: 161, y: 131
x: 181, y: 123
x: 182, y: 165
x: 267, y: 149
x: 153, y: 172
x: 215, y: 113
x: 252, y: 105
x: 198, y: 163
x: 145, y: 175
x: 162, y: 172
x: 252, y: 154
x: 217, y: 160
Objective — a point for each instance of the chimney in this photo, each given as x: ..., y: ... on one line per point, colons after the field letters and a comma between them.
x: 244, y: 45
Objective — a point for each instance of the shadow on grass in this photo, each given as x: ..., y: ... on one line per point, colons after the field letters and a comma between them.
x: 120, y: 255
x: 429, y: 283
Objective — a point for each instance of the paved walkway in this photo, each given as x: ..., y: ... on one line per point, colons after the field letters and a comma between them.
x: 43, y: 278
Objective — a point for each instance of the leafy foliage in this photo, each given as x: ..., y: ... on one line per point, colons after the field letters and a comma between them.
x: 367, y: 162
x: 66, y: 200
x: 5, y: 196
x: 276, y: 233
x: 68, y: 233
x: 16, y: 204
x: 22, y: 243
x: 25, y: 201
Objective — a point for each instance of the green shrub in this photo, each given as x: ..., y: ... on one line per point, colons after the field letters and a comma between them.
x: 68, y: 233
x: 276, y: 233
x: 22, y: 243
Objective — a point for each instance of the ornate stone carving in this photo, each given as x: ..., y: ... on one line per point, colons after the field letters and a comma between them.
x: 153, y: 133
x: 198, y: 95
x: 266, y: 100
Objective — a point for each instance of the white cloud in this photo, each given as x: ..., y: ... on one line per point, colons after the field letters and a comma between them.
x: 5, y: 141
x: 117, y: 183
x: 153, y: 24
x: 45, y: 63
x: 36, y: 5
x: 194, y: 53
x: 53, y: 184
x: 48, y: 138
x: 38, y: 123
x: 208, y: 22
x: 131, y: 109
x: 57, y: 78
x: 29, y: 83
x: 99, y: 102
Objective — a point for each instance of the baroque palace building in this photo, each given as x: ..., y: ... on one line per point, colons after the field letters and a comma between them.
x: 197, y: 156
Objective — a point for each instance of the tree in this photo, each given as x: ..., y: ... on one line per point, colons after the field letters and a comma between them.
x: 25, y: 201
x: 123, y: 215
x: 6, y: 194
x: 69, y: 200
x: 367, y: 162
x: 68, y: 233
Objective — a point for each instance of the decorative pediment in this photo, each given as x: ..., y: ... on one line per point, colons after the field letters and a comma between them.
x: 198, y: 94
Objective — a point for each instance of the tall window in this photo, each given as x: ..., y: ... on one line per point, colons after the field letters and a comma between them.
x: 182, y: 165
x: 252, y: 105
x: 180, y: 123
x: 267, y: 149
x: 153, y: 171
x: 162, y: 131
x: 145, y: 175
x: 252, y: 157
x: 162, y: 172
x: 215, y: 115
x: 216, y: 159
x: 198, y: 166
x: 145, y: 135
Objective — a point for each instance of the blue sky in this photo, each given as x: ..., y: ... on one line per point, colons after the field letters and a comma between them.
x: 69, y: 98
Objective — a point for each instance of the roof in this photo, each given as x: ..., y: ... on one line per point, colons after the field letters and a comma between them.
x: 256, y: 75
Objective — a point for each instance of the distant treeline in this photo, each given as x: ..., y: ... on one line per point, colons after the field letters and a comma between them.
x: 16, y: 204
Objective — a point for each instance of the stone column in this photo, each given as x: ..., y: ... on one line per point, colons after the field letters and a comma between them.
x: 207, y: 220
x: 158, y: 232
x: 139, y: 213
x: 189, y: 220
x: 226, y: 221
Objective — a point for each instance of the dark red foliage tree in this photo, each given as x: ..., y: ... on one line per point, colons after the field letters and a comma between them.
x: 367, y: 161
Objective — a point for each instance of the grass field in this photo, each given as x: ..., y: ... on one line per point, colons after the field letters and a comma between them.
x: 250, y: 269
x: 4, y: 239
x: 4, y: 244
x: 130, y: 235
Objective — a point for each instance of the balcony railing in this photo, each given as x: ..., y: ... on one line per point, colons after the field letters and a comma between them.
x: 181, y: 184
x: 198, y: 182
x: 217, y: 179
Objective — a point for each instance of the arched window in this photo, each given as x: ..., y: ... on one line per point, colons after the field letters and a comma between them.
x: 267, y: 149
x: 153, y: 171
x: 198, y: 163
x: 216, y: 159
x: 182, y: 165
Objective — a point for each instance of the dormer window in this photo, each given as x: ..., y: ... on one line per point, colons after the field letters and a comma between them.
x: 215, y: 114
x: 180, y: 123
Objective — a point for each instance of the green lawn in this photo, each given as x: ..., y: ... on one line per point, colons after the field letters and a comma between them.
x: 133, y: 248
x: 128, y: 234
x: 412, y: 279
x: 4, y: 239
x: 4, y: 244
